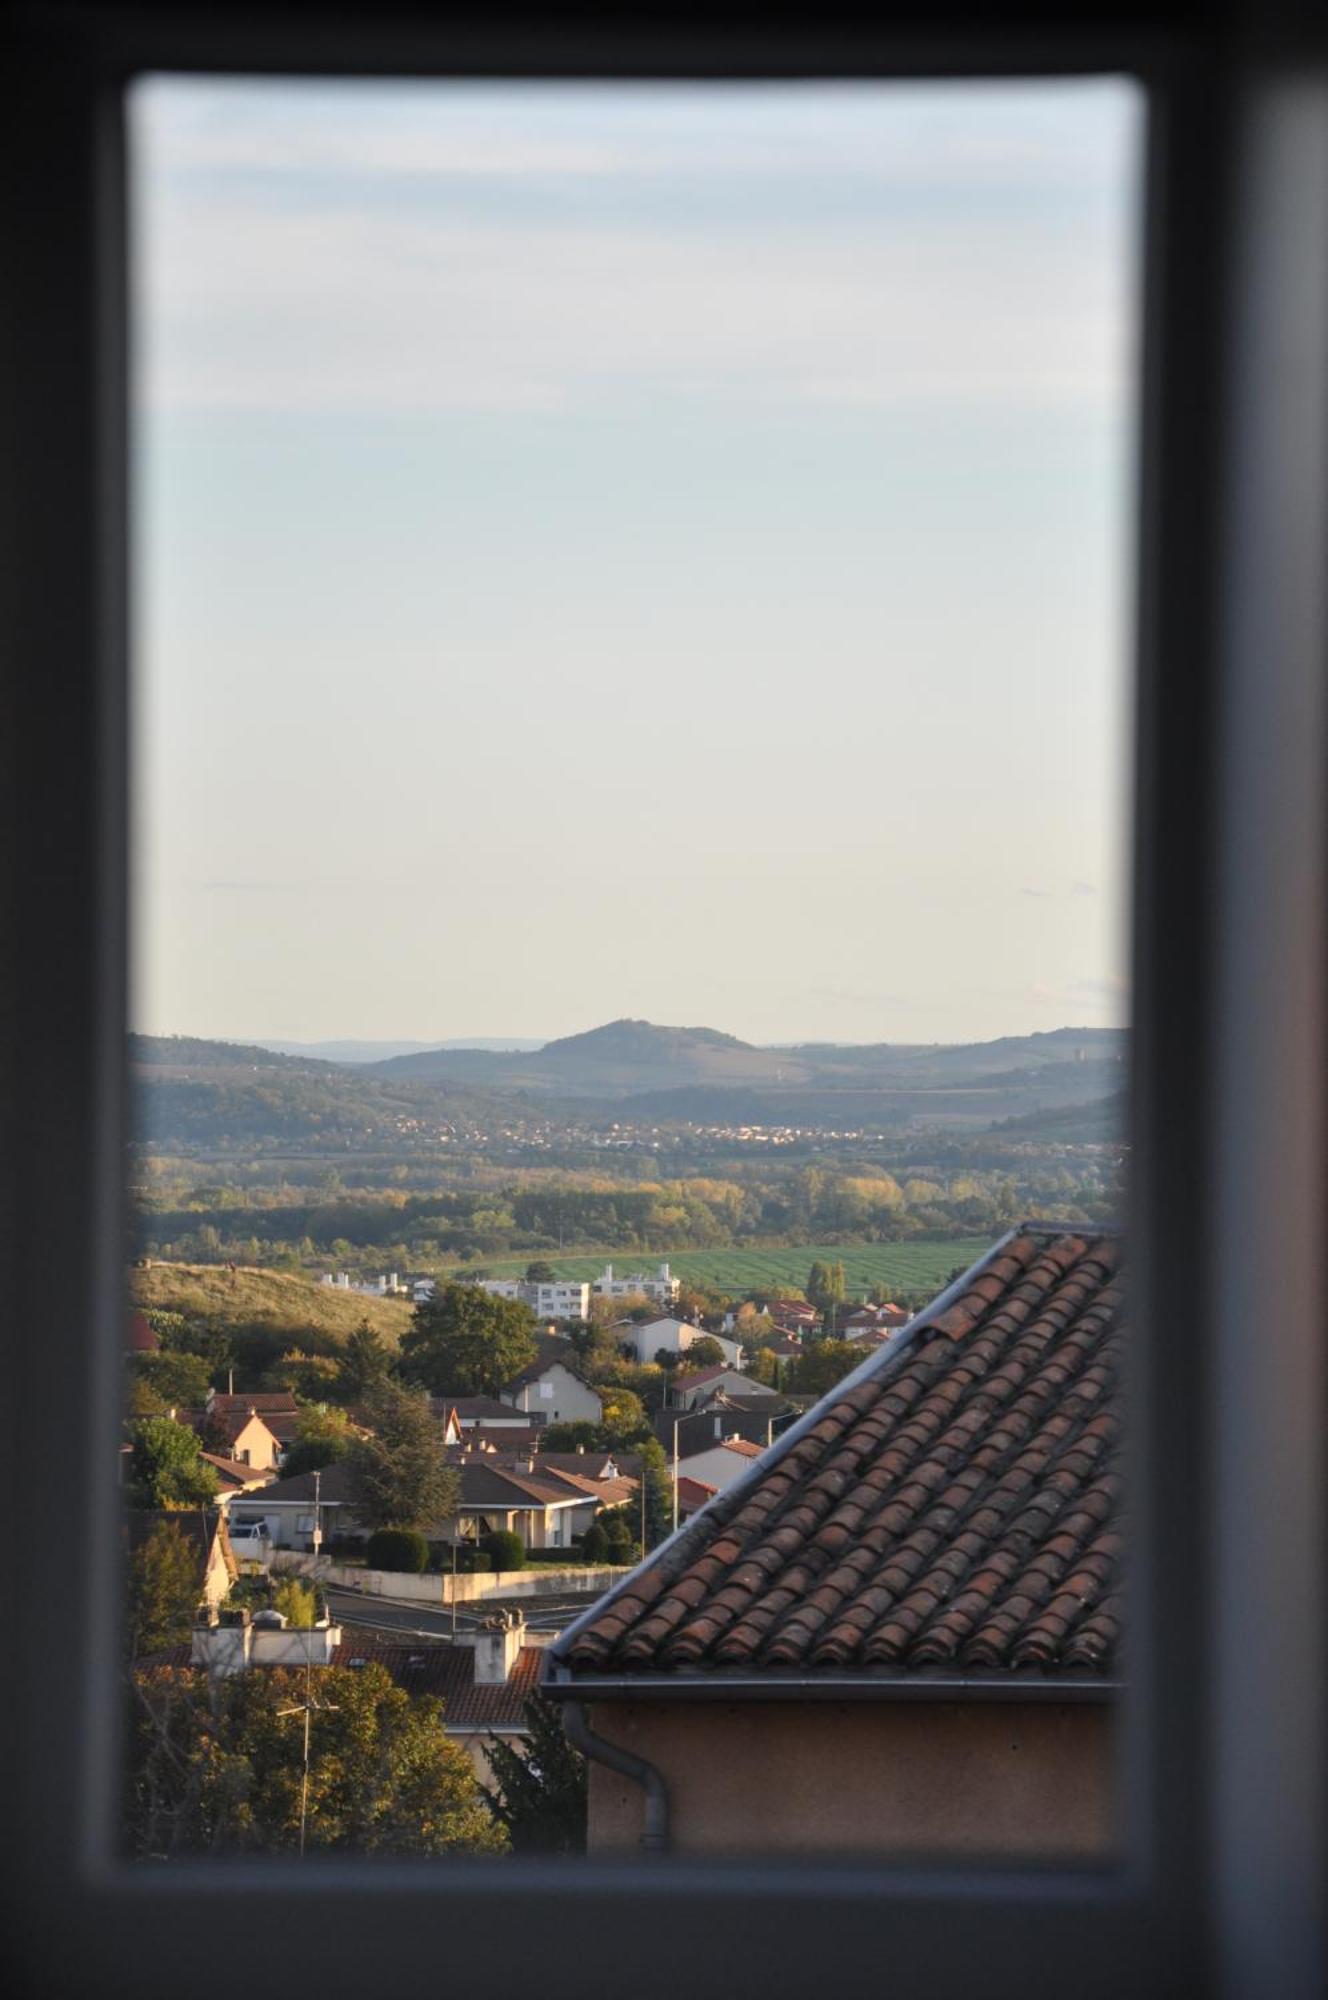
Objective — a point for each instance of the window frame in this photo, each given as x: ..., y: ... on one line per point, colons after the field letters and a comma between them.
x: 1225, y: 1763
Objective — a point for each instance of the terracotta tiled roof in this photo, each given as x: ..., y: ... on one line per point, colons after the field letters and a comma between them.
x: 141, y: 1339
x: 952, y: 1506
x: 232, y: 1472
x: 481, y: 1409
x: 693, y: 1493
x: 262, y: 1400
x: 420, y: 1667
x: 449, y: 1672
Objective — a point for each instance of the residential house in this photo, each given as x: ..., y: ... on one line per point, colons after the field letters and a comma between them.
x: 236, y: 1475
x: 871, y: 1323
x: 898, y: 1634
x: 689, y: 1390
x: 698, y: 1430
x: 674, y: 1336
x: 504, y: 1437
x: 720, y: 1464
x: 277, y: 1408
x: 487, y: 1410
x: 546, y: 1511
x: 591, y: 1464
x: 240, y: 1434
x: 550, y: 1388
x: 287, y: 1507
x: 693, y: 1495
x: 483, y: 1684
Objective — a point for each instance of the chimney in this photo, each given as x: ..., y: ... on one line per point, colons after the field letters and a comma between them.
x: 498, y: 1644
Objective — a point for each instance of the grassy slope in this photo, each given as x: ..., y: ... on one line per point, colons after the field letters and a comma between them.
x: 253, y: 1297
x: 908, y: 1267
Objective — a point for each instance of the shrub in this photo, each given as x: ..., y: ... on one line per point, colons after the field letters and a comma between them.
x: 594, y: 1543
x: 504, y: 1549
x: 399, y: 1549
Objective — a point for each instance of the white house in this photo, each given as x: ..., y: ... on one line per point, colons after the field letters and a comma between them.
x: 721, y: 1464
x: 675, y: 1336
x: 663, y: 1287
x: 549, y: 1388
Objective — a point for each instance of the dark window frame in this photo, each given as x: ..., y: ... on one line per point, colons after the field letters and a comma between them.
x: 1226, y: 1738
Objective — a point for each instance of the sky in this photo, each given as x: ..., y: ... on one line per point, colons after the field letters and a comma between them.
x: 654, y: 550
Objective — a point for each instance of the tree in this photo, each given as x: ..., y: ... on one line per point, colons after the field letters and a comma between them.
x: 166, y: 1469
x: 311, y: 1377
x: 178, y: 1335
x: 322, y: 1437
x: 658, y: 1491
x: 162, y: 1591
x: 625, y: 1418
x: 541, y: 1272
x: 465, y: 1342
x: 180, y: 1380
x: 620, y: 1527
x: 365, y: 1362
x: 825, y: 1286
x: 142, y: 1400
x: 705, y: 1353
x: 595, y: 1544
x: 539, y: 1786
x: 573, y: 1436
x: 220, y: 1770
x: 401, y: 1477
x: 817, y: 1370
x: 764, y: 1368
x: 297, y: 1601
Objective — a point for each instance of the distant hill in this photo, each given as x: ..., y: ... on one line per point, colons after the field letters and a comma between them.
x: 1103, y: 1121
x: 378, y: 1052
x: 223, y: 1094
x: 191, y: 1092
x: 636, y: 1060
x: 610, y: 1061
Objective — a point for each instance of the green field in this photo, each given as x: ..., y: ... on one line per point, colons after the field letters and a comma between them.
x: 904, y: 1267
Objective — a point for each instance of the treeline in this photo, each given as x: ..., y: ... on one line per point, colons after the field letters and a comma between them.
x: 806, y: 1203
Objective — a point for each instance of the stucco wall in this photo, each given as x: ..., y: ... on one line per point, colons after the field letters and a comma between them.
x: 915, y: 1779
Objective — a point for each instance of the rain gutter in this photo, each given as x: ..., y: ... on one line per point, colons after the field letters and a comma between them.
x: 583, y: 1738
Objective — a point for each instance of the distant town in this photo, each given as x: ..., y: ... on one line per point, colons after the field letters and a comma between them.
x: 469, y: 1455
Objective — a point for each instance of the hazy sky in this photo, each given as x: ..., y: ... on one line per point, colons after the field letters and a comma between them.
x: 658, y: 551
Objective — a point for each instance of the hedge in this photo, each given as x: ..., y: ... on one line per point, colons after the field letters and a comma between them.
x: 504, y: 1549
x: 399, y: 1549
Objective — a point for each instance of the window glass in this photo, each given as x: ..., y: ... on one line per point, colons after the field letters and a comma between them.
x: 759, y: 460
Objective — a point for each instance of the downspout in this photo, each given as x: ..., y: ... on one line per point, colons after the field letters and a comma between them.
x: 583, y: 1738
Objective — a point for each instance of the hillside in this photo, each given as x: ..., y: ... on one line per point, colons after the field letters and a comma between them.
x: 189, y: 1092
x: 300, y: 1311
